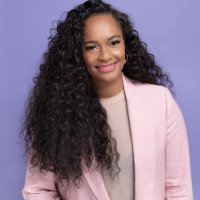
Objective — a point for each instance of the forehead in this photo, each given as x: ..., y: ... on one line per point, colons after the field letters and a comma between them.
x: 101, y: 26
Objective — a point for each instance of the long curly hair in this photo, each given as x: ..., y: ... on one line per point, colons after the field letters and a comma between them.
x: 65, y: 126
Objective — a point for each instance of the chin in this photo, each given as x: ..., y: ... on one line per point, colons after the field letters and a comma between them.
x: 111, y: 76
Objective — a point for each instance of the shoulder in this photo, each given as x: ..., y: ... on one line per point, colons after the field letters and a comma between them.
x: 148, y: 92
x: 138, y: 93
x: 143, y: 89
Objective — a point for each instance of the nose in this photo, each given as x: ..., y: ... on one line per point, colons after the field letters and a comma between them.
x: 104, y: 54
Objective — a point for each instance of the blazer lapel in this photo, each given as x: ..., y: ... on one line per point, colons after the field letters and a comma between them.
x: 143, y: 140
x: 96, y: 184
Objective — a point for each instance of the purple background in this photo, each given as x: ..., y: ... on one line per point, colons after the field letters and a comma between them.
x: 171, y: 30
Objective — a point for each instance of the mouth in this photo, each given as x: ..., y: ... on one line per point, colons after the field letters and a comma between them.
x: 105, y: 66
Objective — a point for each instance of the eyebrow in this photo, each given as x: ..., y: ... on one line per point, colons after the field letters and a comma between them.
x: 94, y: 41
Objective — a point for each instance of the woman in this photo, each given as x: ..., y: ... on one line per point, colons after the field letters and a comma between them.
x: 100, y: 124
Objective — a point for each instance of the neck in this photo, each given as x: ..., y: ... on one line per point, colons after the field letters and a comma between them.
x: 106, y: 90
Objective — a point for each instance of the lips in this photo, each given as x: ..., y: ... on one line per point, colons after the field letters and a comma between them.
x: 105, y: 66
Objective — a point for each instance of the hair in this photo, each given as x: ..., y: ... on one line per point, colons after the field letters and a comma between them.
x: 64, y: 125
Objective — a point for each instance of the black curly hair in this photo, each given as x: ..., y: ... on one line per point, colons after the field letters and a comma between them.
x: 64, y: 122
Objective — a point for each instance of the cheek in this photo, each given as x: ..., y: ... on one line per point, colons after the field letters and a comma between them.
x: 88, y: 59
x: 119, y: 53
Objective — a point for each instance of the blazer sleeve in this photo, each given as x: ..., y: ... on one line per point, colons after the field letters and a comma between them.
x: 178, y: 183
x: 40, y: 186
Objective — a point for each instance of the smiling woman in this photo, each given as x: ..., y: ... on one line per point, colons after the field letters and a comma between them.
x: 104, y: 52
x: 99, y: 121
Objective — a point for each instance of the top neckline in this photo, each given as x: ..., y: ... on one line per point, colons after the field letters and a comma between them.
x: 113, y: 98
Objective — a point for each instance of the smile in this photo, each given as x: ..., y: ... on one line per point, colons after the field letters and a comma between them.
x: 105, y: 66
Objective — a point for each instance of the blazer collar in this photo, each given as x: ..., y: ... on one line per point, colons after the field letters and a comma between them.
x: 143, y: 141
x: 133, y: 95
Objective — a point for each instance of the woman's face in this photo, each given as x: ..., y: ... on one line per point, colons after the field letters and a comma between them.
x: 104, y: 49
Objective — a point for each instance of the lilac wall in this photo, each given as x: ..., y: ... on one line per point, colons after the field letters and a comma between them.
x: 170, y: 28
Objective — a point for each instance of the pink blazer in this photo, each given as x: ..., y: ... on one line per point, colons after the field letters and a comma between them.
x: 160, y: 147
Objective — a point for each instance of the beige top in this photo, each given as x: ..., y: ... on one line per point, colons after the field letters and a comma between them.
x: 122, y: 188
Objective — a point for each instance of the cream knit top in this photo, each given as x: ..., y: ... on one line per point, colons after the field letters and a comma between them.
x: 122, y: 188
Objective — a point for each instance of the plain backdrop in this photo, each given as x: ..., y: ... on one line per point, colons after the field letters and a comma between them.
x: 170, y: 28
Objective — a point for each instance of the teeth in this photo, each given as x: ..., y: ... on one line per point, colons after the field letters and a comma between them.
x: 106, y: 67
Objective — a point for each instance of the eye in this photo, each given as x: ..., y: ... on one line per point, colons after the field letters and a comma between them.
x: 90, y: 48
x: 113, y: 43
